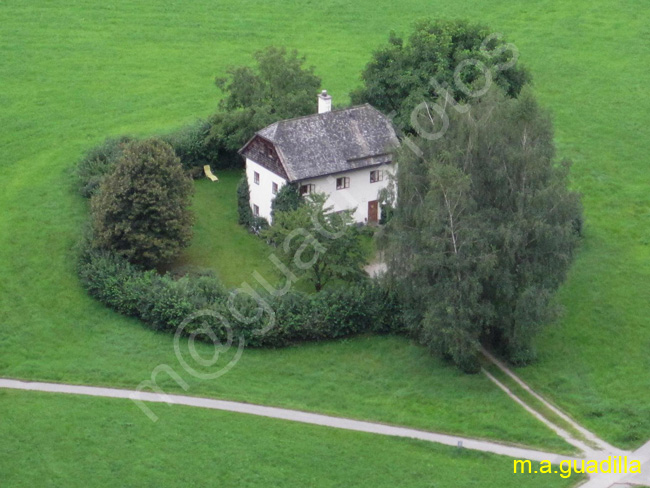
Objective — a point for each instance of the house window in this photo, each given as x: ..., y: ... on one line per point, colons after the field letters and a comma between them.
x: 274, y: 188
x: 376, y: 176
x: 256, y: 178
x: 307, y: 189
x: 342, y: 183
x: 256, y: 210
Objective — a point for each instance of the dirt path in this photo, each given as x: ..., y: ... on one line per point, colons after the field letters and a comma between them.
x: 597, y: 443
x: 594, y: 448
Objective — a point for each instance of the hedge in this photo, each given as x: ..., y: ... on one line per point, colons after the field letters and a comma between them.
x: 98, y: 162
x: 193, y: 147
x: 192, y: 144
x: 163, y: 303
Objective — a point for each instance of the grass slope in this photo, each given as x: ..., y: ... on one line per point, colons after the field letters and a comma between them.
x: 84, y: 441
x: 73, y: 73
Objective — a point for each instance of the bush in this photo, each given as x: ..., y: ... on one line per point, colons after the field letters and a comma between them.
x: 162, y: 303
x: 193, y: 146
x: 188, y: 143
x: 259, y: 225
x: 245, y: 215
x: 159, y: 301
x: 287, y: 199
x: 99, y: 162
x: 387, y: 212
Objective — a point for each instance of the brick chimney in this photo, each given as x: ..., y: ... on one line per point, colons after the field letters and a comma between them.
x: 324, y: 102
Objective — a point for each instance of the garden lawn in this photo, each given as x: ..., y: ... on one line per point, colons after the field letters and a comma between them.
x: 80, y: 441
x: 219, y: 243
x: 74, y: 73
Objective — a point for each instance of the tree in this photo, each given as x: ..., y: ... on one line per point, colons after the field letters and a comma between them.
x: 439, y: 257
x: 325, y: 245
x: 484, y: 231
x: 141, y: 210
x: 278, y: 87
x: 399, y: 76
x: 287, y: 199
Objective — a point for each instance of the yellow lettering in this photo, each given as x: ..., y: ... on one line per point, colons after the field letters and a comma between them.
x: 522, y: 464
x: 592, y: 466
x: 632, y: 467
x: 608, y: 461
x: 565, y: 469
x: 545, y: 467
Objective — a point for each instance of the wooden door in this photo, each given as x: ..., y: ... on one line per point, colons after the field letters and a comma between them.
x: 373, y: 212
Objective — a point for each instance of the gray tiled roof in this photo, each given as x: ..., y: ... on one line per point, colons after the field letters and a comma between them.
x: 332, y: 142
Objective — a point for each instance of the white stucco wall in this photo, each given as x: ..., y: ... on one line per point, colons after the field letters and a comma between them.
x: 360, y: 192
x: 262, y: 194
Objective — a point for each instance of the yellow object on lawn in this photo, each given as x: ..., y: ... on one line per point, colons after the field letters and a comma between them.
x: 209, y: 174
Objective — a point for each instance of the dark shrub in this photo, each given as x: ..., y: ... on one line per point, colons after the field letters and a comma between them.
x: 167, y: 303
x: 258, y: 225
x: 287, y: 199
x: 141, y: 210
x: 245, y: 215
x: 163, y: 303
x: 194, y: 148
x: 387, y: 212
x: 97, y: 163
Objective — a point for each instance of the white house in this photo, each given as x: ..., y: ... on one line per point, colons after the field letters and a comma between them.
x: 346, y: 154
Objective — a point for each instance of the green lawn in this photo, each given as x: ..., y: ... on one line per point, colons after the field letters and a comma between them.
x: 219, y: 243
x: 226, y: 248
x: 81, y: 441
x: 74, y: 73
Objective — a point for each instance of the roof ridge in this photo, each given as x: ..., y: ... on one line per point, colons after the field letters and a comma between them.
x: 354, y: 107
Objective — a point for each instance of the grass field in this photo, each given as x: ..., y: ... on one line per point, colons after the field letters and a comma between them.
x: 74, y: 73
x: 102, y: 443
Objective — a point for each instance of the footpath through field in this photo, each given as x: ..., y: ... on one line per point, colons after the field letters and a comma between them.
x: 143, y: 398
x: 591, y: 446
x: 286, y: 414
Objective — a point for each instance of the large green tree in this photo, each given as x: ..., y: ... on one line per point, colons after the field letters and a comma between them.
x: 315, y: 242
x: 278, y: 87
x: 485, y: 230
x: 460, y: 57
x: 141, y: 210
